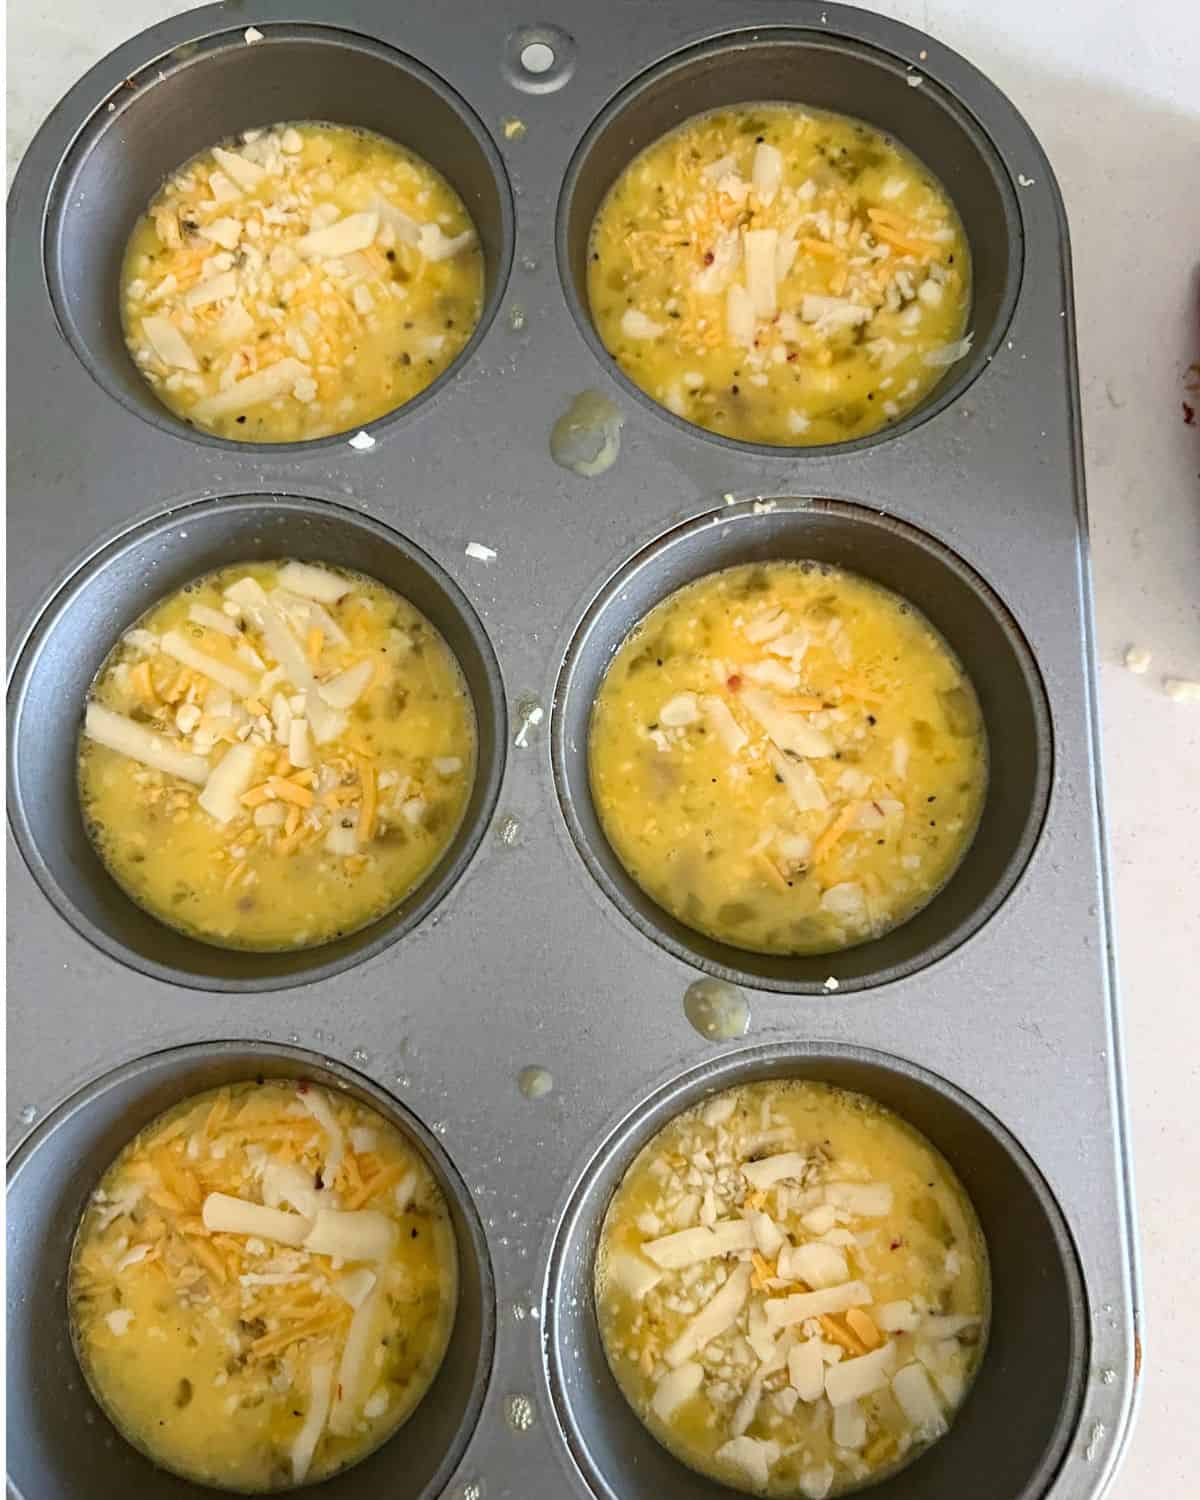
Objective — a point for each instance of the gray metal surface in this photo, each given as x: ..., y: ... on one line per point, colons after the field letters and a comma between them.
x: 527, y: 960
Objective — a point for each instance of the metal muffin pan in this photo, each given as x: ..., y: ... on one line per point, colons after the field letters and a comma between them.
x: 987, y: 1034
x: 60, y: 1443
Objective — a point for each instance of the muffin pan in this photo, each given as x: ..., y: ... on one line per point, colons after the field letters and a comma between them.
x: 989, y: 1021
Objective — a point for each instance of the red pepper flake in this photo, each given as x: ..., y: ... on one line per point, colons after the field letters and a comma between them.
x: 302, y: 1087
x: 1189, y: 415
x: 895, y: 1245
x: 793, y: 357
x: 709, y: 257
x: 733, y: 682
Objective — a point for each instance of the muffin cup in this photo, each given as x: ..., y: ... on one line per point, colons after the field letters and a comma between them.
x: 206, y: 93
x: 85, y: 619
x: 823, y: 72
x: 1008, y: 1438
x: 981, y: 632
x: 61, y: 1445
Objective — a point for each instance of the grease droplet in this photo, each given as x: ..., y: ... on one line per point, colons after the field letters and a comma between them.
x: 535, y: 1083
x: 471, y: 1489
x: 520, y: 1413
x: 439, y: 1127
x: 587, y: 437
x: 403, y: 1081
x: 718, y: 1010
x: 360, y: 1055
x: 514, y: 129
x: 508, y: 831
x: 1107, y: 1376
x: 28, y: 1114
x: 516, y: 317
x: 1095, y: 1438
x: 294, y: 1038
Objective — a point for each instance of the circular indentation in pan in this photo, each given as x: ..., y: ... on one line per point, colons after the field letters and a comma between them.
x: 1011, y: 1433
x: 77, y: 629
x: 956, y: 600
x: 204, y: 93
x: 538, y: 59
x: 61, y: 1446
x: 824, y: 72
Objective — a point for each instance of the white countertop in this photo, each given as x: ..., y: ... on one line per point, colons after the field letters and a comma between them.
x: 1112, y: 90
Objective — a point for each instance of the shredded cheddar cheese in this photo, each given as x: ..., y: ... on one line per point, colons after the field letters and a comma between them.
x: 290, y: 783
x: 203, y: 1344
x: 780, y: 275
x: 787, y: 758
x: 279, y: 292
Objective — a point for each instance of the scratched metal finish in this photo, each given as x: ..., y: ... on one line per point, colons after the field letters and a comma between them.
x: 527, y: 960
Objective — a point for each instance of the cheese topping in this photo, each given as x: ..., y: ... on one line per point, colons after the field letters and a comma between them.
x: 833, y: 1359
x: 276, y: 755
x: 252, y: 1345
x: 780, y: 275
x: 298, y: 282
x: 787, y: 758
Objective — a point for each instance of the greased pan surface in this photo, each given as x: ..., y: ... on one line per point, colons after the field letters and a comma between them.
x: 995, y: 1028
